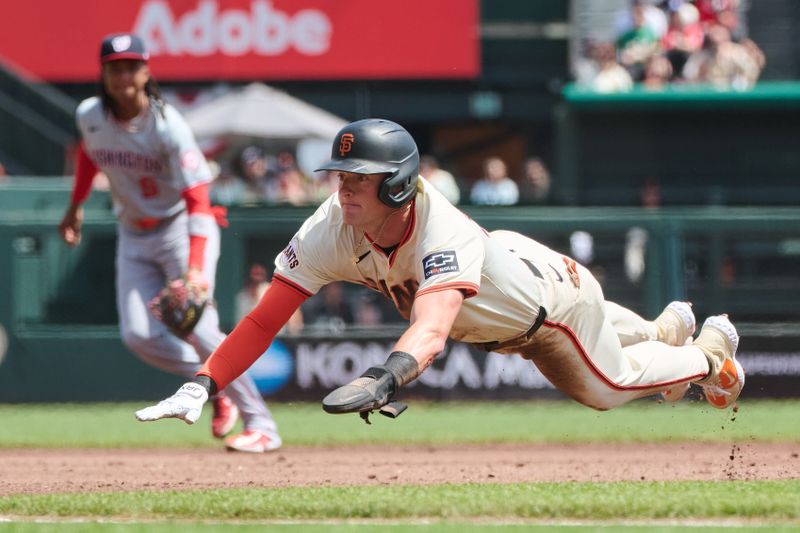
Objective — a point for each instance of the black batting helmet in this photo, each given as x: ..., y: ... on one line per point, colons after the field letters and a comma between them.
x: 377, y: 146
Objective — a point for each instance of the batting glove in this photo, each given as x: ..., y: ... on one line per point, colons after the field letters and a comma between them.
x: 186, y: 404
x: 374, y: 388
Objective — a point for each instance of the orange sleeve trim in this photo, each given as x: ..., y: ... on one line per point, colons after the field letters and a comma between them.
x: 197, y: 252
x: 85, y: 171
x: 197, y: 199
x: 252, y: 336
x: 292, y: 285
x: 470, y: 289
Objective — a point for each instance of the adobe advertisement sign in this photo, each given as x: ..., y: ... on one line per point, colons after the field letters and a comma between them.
x: 249, y: 39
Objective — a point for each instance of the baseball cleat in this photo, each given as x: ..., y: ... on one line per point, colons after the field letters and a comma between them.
x: 719, y: 340
x: 253, y: 441
x: 676, y: 323
x: 675, y: 326
x: 225, y: 416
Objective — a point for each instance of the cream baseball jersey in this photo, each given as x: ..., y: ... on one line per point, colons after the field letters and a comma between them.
x: 148, y: 163
x: 442, y: 249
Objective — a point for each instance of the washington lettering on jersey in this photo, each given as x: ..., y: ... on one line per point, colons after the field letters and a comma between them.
x: 148, y: 167
x: 126, y: 159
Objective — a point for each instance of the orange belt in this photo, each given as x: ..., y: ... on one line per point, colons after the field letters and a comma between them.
x: 147, y: 223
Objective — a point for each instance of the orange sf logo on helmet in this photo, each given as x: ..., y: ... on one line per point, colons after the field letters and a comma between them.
x: 346, y: 143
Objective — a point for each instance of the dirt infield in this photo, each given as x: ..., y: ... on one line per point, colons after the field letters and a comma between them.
x: 39, y: 471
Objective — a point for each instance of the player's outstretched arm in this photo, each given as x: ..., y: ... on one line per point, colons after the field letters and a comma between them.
x: 85, y: 171
x: 186, y: 404
x: 432, y: 318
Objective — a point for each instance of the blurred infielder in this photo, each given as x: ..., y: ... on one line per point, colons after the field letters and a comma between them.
x: 159, y: 184
x: 388, y: 229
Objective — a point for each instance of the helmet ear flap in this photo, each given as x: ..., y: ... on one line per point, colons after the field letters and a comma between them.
x: 400, y: 186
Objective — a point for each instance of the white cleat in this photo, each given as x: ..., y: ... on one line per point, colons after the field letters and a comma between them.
x: 676, y: 323
x: 253, y: 441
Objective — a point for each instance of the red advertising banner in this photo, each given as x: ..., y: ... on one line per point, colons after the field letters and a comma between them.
x: 249, y: 39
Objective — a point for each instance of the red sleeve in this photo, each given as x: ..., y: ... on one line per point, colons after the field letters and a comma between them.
x: 197, y: 203
x: 85, y: 171
x: 253, y: 335
x: 197, y: 200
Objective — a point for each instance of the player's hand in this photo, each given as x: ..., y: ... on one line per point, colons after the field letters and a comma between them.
x: 70, y: 226
x: 186, y: 404
x: 198, y: 279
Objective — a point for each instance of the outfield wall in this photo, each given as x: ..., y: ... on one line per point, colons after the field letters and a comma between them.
x: 58, y: 310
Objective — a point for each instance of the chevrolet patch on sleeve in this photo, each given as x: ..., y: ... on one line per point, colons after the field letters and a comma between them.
x: 440, y: 263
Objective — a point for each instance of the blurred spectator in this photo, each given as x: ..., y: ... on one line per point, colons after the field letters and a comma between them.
x: 227, y: 189
x: 442, y: 180
x: 636, y: 238
x: 495, y: 188
x: 703, y: 40
x: 755, y: 52
x: 685, y: 31
x: 654, y: 18
x: 256, y: 171
x: 684, y: 36
x: 535, y: 185
x: 324, y: 185
x: 3, y: 174
x: 650, y: 193
x: 581, y: 247
x: 367, y: 313
x: 254, y: 288
x: 657, y: 73
x: 723, y: 62
x: 638, y: 44
x: 723, y: 12
x: 610, y: 76
x: 289, y: 185
x: 707, y: 11
x: 332, y: 310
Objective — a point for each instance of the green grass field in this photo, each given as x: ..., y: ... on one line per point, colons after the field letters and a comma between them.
x: 113, y: 425
x: 652, y: 506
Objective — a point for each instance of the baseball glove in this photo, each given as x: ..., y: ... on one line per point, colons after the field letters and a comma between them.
x: 180, y: 305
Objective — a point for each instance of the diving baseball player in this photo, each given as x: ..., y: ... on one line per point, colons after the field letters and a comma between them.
x: 167, y: 229
x: 389, y: 230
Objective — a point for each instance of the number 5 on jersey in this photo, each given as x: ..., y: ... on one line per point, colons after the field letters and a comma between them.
x: 149, y: 186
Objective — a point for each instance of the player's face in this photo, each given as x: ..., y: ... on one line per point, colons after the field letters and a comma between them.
x: 358, y: 195
x: 125, y: 79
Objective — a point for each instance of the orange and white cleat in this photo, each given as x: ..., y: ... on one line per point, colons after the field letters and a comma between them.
x: 719, y: 341
x: 225, y: 416
x: 253, y: 441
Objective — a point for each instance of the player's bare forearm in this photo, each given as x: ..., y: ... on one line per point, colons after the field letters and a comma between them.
x: 423, y: 342
x: 432, y: 318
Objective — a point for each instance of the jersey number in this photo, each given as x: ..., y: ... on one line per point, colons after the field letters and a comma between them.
x: 149, y: 186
